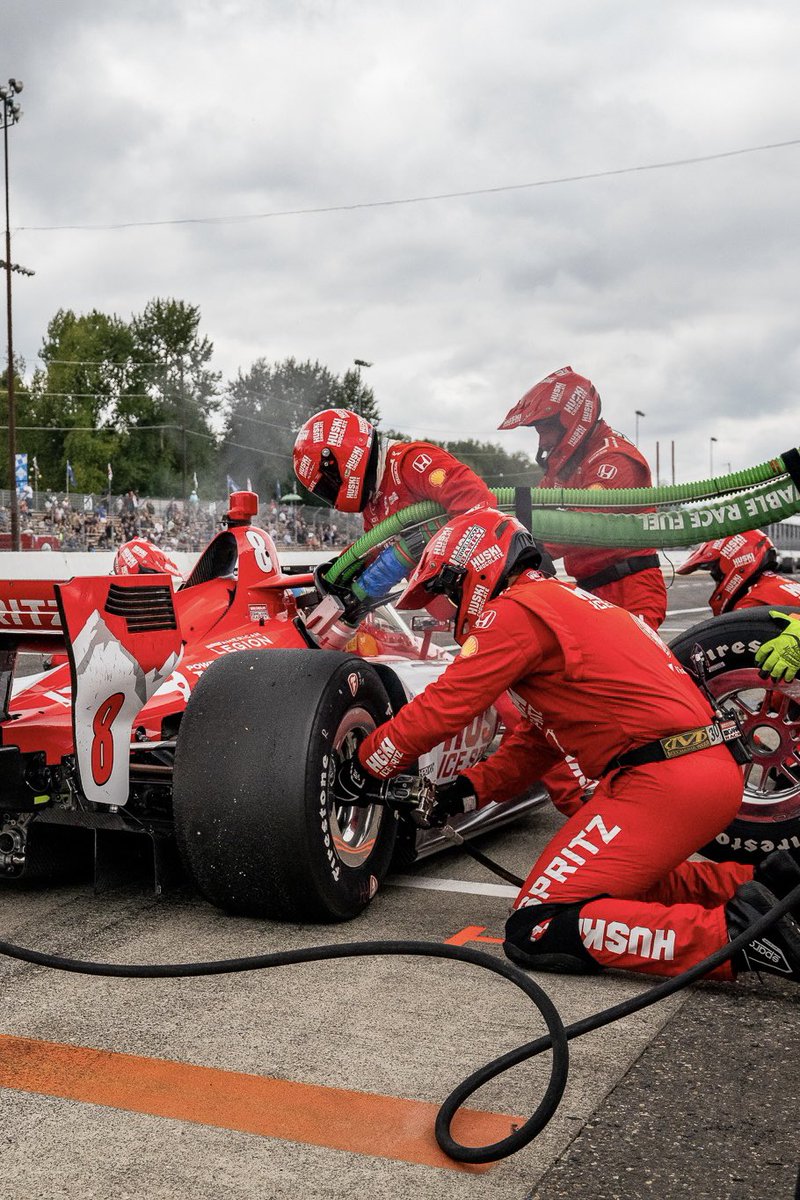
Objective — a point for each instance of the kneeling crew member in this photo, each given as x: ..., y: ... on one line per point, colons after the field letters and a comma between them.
x: 613, y: 887
x: 743, y: 569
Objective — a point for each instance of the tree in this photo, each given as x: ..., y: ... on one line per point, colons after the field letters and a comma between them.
x: 496, y: 466
x: 182, y: 392
x: 266, y: 407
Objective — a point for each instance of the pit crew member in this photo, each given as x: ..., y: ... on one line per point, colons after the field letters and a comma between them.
x: 613, y: 888
x: 743, y: 570
x: 579, y: 450
x: 340, y: 457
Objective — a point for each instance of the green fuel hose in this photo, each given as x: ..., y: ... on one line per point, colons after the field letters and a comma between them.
x: 741, y: 501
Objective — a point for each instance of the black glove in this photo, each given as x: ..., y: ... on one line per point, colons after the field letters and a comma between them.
x: 355, y: 786
x: 452, y: 799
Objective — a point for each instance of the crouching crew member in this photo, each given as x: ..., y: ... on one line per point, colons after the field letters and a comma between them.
x: 613, y: 887
x: 743, y: 569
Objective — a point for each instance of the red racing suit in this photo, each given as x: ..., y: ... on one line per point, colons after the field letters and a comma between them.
x: 417, y: 471
x: 609, y: 460
x: 593, y: 681
x: 771, y: 589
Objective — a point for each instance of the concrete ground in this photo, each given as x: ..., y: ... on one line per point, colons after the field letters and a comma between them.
x: 323, y: 1080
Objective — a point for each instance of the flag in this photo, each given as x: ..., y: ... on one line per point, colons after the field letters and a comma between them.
x: 232, y: 487
x: 277, y: 489
x: 70, y: 475
x: 249, y: 484
x: 194, y: 480
x: 35, y: 467
x: 110, y: 475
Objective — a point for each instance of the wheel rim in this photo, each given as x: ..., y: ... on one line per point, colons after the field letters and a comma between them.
x: 769, y: 714
x: 354, y: 830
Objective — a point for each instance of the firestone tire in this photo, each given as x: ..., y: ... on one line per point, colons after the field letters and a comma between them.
x: 255, y: 818
x: 769, y: 818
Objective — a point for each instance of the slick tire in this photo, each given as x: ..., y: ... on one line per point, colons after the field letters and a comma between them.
x: 255, y: 818
x: 769, y: 817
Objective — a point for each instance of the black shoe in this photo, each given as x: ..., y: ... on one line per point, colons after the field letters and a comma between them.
x: 777, y: 950
x: 780, y: 873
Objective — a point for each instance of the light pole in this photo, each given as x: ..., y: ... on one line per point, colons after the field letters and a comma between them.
x: 639, y: 413
x: 11, y: 114
x: 711, y: 456
x: 360, y: 362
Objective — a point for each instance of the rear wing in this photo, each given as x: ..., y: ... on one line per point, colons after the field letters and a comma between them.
x: 29, y: 613
x: 123, y: 641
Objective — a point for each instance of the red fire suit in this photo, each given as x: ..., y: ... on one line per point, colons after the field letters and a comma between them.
x: 609, y: 460
x: 417, y: 471
x: 770, y: 588
x: 613, y: 886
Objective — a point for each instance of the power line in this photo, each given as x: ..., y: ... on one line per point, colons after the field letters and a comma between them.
x: 510, y: 187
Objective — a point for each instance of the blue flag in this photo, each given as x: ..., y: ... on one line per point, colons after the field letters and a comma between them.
x: 232, y: 487
x: 70, y: 475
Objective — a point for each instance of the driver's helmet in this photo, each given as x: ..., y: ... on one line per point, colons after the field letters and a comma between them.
x: 140, y: 557
x: 469, y: 561
x: 336, y: 458
x: 734, y: 564
x: 567, y: 396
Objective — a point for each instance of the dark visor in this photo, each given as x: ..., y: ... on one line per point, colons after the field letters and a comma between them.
x: 330, y: 481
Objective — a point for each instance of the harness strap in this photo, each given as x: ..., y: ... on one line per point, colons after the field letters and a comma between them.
x: 675, y: 745
x: 619, y: 570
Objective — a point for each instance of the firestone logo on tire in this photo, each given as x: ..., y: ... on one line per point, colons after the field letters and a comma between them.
x: 353, y: 682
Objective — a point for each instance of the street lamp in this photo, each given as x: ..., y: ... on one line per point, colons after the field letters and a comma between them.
x: 11, y: 114
x: 360, y: 362
x: 639, y: 413
x: 711, y: 456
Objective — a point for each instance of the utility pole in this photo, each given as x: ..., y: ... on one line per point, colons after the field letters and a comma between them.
x: 11, y: 114
x: 183, y: 428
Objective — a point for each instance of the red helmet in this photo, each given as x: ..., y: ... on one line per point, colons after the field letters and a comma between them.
x: 734, y: 563
x: 336, y: 458
x: 140, y: 557
x: 564, y: 395
x: 469, y: 561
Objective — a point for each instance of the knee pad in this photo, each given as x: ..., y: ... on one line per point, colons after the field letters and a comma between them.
x: 546, y: 937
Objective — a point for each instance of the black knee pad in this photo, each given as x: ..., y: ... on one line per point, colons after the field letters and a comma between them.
x: 546, y: 937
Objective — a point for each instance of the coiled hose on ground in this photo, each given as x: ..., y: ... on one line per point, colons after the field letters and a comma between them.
x: 556, y: 1039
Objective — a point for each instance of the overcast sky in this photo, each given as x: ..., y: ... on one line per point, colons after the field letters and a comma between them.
x: 676, y: 290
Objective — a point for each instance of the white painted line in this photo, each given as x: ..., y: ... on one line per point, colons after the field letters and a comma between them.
x: 466, y: 887
x: 679, y: 612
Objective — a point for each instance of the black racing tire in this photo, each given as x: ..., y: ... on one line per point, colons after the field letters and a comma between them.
x: 769, y: 818
x: 255, y: 818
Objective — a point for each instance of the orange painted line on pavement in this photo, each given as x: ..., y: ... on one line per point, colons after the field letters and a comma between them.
x: 471, y: 933
x: 361, y: 1122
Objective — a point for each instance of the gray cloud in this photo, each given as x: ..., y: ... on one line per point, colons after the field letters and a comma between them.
x: 674, y: 290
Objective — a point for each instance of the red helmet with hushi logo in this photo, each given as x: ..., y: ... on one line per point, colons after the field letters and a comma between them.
x: 140, y: 557
x: 469, y: 561
x: 336, y: 458
x: 567, y: 397
x: 734, y: 564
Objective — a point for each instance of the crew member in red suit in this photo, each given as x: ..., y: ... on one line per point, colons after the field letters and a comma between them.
x: 613, y: 888
x: 340, y: 457
x: 579, y: 450
x: 743, y: 569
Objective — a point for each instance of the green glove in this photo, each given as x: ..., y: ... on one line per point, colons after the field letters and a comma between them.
x: 780, y: 657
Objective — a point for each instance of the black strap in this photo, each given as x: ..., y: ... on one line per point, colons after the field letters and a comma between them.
x: 791, y: 460
x: 677, y: 745
x: 619, y: 570
x: 523, y: 507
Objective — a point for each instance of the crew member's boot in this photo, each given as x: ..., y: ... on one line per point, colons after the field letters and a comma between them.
x: 780, y: 873
x: 777, y: 950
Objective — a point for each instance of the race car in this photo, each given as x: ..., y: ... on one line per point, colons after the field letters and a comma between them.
x: 210, y: 716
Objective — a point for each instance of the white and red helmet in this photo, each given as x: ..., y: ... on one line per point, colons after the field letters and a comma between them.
x: 571, y: 399
x: 140, y: 557
x: 336, y: 458
x: 734, y: 563
x: 469, y: 561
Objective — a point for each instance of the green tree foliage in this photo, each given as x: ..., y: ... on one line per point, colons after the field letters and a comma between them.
x: 266, y: 407
x: 135, y: 394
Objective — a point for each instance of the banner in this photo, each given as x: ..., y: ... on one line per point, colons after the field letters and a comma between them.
x: 21, y: 472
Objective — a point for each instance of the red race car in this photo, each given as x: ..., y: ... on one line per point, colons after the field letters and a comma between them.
x: 210, y: 717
